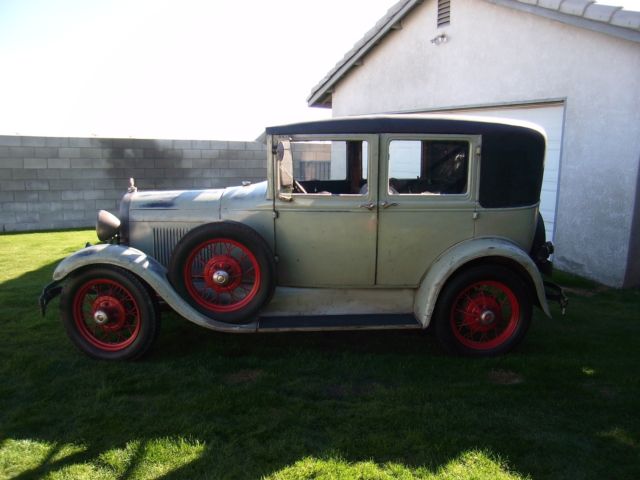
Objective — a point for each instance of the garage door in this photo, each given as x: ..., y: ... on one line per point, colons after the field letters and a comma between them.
x: 551, y: 118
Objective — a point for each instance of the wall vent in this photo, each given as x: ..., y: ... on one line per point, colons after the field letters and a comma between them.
x: 444, y: 13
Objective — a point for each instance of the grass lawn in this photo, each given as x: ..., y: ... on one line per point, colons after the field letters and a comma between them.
x: 566, y: 404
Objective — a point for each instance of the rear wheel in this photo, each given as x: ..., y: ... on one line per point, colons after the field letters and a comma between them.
x: 483, y: 311
x: 109, y: 314
x: 224, y: 270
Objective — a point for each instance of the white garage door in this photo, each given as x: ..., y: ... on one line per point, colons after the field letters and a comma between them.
x: 551, y: 118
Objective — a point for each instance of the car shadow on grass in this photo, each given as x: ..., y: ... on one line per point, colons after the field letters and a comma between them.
x: 211, y: 405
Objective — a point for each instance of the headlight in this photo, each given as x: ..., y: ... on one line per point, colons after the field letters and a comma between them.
x: 107, y: 225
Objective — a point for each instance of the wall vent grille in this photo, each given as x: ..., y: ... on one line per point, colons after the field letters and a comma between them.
x: 164, y: 241
x: 444, y: 13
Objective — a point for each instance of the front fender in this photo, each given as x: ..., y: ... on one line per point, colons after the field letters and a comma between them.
x: 459, y: 255
x: 149, y: 270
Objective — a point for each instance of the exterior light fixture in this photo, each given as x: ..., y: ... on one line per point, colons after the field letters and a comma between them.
x: 442, y: 38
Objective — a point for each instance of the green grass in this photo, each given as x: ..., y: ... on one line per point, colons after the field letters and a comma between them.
x: 334, y: 405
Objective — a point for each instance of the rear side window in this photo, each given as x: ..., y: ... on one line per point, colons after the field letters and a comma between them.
x: 428, y: 167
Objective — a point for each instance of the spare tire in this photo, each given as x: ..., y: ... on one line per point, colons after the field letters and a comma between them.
x: 225, y: 270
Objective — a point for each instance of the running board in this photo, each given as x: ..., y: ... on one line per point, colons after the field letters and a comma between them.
x: 323, y: 323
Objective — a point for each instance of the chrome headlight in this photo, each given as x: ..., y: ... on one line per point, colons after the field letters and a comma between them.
x: 107, y: 225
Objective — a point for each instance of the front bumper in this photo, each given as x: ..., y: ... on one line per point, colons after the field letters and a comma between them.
x: 49, y: 292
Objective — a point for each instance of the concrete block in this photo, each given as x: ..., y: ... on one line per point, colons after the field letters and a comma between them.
x: 36, y: 185
x: 154, y: 173
x: 35, y: 163
x: 46, y: 207
x: 201, y: 144
x: 62, y: 184
x: 73, y: 215
x: 7, y: 218
x: 255, y: 146
x: 202, y: 183
x: 15, y: 206
x: 4, y: 151
x: 143, y: 163
x: 72, y: 195
x: 33, y: 141
x: 161, y: 144
x: 80, y: 142
x: 81, y: 163
x: 69, y: 152
x: 57, y: 142
x: 82, y: 205
x: 107, y: 204
x: 8, y: 196
x: 46, y: 152
x: 191, y: 154
x: 93, y: 194
x: 46, y: 173
x: 10, y: 140
x: 220, y: 163
x: 82, y: 184
x: 50, y: 196
x: 201, y: 163
x: 181, y: 144
x: 90, y: 153
x: 12, y: 163
x: 58, y: 163
x: 31, y: 217
x: 5, y: 173
x: 22, y: 152
x: 211, y: 154
x: 23, y: 174
x: 219, y: 145
x: 12, y: 185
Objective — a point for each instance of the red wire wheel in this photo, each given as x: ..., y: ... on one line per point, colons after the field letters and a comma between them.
x: 225, y: 270
x: 109, y: 313
x: 106, y: 314
x: 485, y: 315
x: 485, y: 310
x: 222, y: 275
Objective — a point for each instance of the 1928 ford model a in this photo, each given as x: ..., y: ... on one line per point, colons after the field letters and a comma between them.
x: 363, y: 223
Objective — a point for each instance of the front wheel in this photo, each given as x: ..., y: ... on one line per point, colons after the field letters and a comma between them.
x: 483, y: 311
x: 109, y: 314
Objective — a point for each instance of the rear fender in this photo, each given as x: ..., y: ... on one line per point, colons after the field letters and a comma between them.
x: 149, y: 270
x: 460, y: 255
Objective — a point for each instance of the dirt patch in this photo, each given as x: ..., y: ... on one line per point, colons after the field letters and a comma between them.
x: 505, y: 377
x: 243, y: 376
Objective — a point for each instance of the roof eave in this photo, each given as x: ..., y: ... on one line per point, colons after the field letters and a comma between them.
x: 577, y: 21
x: 321, y: 94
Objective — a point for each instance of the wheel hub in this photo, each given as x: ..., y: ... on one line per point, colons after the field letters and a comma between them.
x: 100, y: 317
x: 223, y: 273
x: 221, y: 277
x: 487, y: 317
x: 108, y: 312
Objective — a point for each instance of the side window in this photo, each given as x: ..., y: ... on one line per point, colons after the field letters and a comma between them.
x: 329, y: 167
x: 428, y: 167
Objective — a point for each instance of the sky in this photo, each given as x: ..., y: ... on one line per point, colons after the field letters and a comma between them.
x: 217, y: 69
x: 193, y: 69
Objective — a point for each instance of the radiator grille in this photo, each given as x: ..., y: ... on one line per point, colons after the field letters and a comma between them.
x: 164, y: 241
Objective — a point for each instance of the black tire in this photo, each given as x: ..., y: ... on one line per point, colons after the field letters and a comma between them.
x: 483, y: 311
x: 130, y: 321
x: 225, y: 270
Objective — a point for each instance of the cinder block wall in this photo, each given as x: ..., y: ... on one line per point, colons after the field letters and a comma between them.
x: 50, y: 183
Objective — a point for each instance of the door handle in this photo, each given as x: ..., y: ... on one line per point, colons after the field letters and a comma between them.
x: 386, y: 204
x: 368, y: 206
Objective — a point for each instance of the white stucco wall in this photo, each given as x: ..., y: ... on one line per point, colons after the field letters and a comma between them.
x: 498, y: 55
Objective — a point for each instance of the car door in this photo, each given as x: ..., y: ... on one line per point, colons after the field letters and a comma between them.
x: 326, y: 210
x: 426, y: 202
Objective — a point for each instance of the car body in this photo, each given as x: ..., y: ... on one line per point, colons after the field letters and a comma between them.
x: 363, y: 223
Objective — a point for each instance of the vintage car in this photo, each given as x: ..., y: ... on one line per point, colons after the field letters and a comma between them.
x: 385, y: 222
